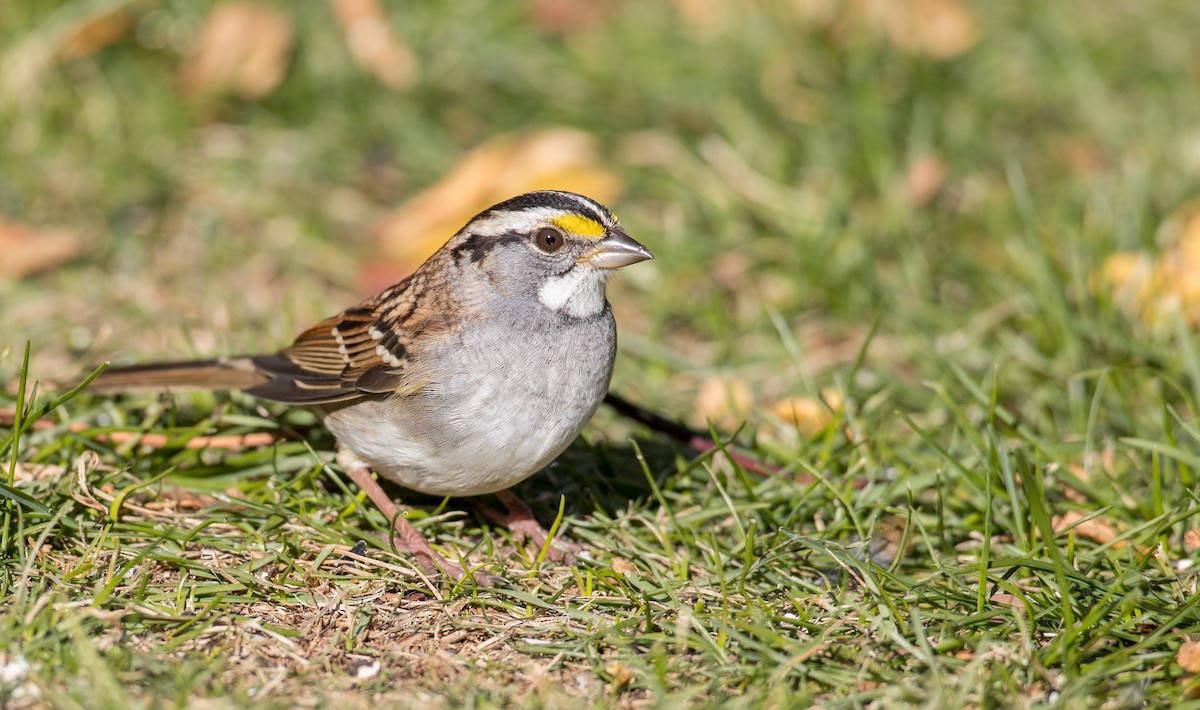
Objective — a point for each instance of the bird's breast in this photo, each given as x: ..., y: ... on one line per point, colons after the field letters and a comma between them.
x: 503, y: 401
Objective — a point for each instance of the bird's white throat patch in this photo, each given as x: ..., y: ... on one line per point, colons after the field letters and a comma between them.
x: 579, y: 292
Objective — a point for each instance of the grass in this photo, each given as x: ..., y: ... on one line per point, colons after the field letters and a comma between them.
x: 995, y: 516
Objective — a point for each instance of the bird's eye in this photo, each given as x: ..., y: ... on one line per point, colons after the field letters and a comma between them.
x: 549, y: 240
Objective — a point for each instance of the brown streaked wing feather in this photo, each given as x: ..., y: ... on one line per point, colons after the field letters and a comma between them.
x: 363, y: 350
x: 337, y: 345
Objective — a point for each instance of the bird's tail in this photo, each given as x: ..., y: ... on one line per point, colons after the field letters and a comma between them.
x: 225, y: 374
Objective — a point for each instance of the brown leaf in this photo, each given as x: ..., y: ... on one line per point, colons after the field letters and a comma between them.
x: 705, y: 18
x: 1082, y: 155
x: 1006, y: 599
x: 374, y: 45
x: 621, y: 674
x: 26, y: 250
x: 26, y: 472
x: 232, y: 442
x: 1188, y: 656
x: 107, y: 24
x: 243, y: 48
x: 571, y: 17
x: 1097, y: 529
x: 724, y: 402
x: 623, y: 566
x: 808, y: 415
x: 554, y: 158
x: 925, y: 178
x: 1191, y: 540
x: 1156, y: 290
x: 941, y: 29
x: 885, y: 545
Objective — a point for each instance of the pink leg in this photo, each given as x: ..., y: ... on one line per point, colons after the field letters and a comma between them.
x: 519, y: 518
x: 411, y: 540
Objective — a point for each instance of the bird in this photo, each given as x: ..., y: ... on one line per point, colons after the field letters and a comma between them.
x: 465, y: 378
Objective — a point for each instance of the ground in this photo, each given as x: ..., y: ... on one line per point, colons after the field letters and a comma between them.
x: 925, y: 270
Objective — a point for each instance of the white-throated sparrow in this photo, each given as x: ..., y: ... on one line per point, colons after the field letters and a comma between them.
x: 465, y: 378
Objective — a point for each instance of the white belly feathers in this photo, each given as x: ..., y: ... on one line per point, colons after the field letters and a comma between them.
x: 487, y: 431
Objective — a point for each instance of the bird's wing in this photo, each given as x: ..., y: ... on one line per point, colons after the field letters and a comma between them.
x: 363, y: 350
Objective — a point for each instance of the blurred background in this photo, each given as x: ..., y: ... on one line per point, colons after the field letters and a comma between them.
x: 939, y: 261
x: 998, y: 185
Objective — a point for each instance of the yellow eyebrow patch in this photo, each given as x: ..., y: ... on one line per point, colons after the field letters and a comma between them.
x: 578, y: 224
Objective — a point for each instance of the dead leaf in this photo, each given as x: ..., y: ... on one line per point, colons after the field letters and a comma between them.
x: 26, y: 250
x: 808, y: 415
x: 731, y: 271
x: 80, y: 29
x: 623, y: 567
x: 819, y: 13
x: 1006, y: 599
x: 571, y: 17
x: 621, y: 675
x: 506, y: 166
x: 941, y: 29
x: 924, y: 178
x: 886, y: 539
x: 26, y: 472
x: 1097, y: 530
x: 1191, y: 540
x: 374, y: 45
x: 1082, y: 155
x: 230, y: 442
x: 1188, y: 656
x: 705, y: 18
x: 107, y: 25
x: 723, y: 402
x: 243, y: 48
x: 1156, y: 290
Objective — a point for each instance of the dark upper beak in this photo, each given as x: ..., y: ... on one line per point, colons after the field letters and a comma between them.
x: 617, y: 249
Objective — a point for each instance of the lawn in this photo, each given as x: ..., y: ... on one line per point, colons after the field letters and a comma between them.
x: 934, y: 265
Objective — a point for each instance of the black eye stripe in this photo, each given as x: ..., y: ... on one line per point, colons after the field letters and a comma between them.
x: 477, y: 246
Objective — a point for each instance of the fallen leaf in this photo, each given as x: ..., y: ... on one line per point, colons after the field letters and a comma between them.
x: 924, y: 178
x: 1006, y: 599
x: 723, y: 402
x: 1191, y: 540
x: 622, y: 566
x: 705, y: 18
x: 621, y: 675
x: 1188, y: 656
x: 1082, y: 155
x: 230, y: 442
x: 374, y: 45
x: 937, y: 28
x: 1157, y: 290
x: 1097, y: 530
x: 26, y: 250
x: 941, y: 29
x: 808, y: 415
x: 506, y: 166
x: 885, y: 545
x: 26, y: 472
x: 571, y: 17
x: 106, y: 25
x: 243, y: 48
x: 731, y: 270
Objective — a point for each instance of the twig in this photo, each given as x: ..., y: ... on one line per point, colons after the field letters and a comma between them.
x: 684, y: 434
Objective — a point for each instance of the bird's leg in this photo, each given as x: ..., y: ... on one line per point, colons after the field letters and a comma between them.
x: 519, y: 519
x: 410, y: 539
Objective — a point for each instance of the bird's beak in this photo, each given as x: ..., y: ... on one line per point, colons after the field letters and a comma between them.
x: 615, y: 250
